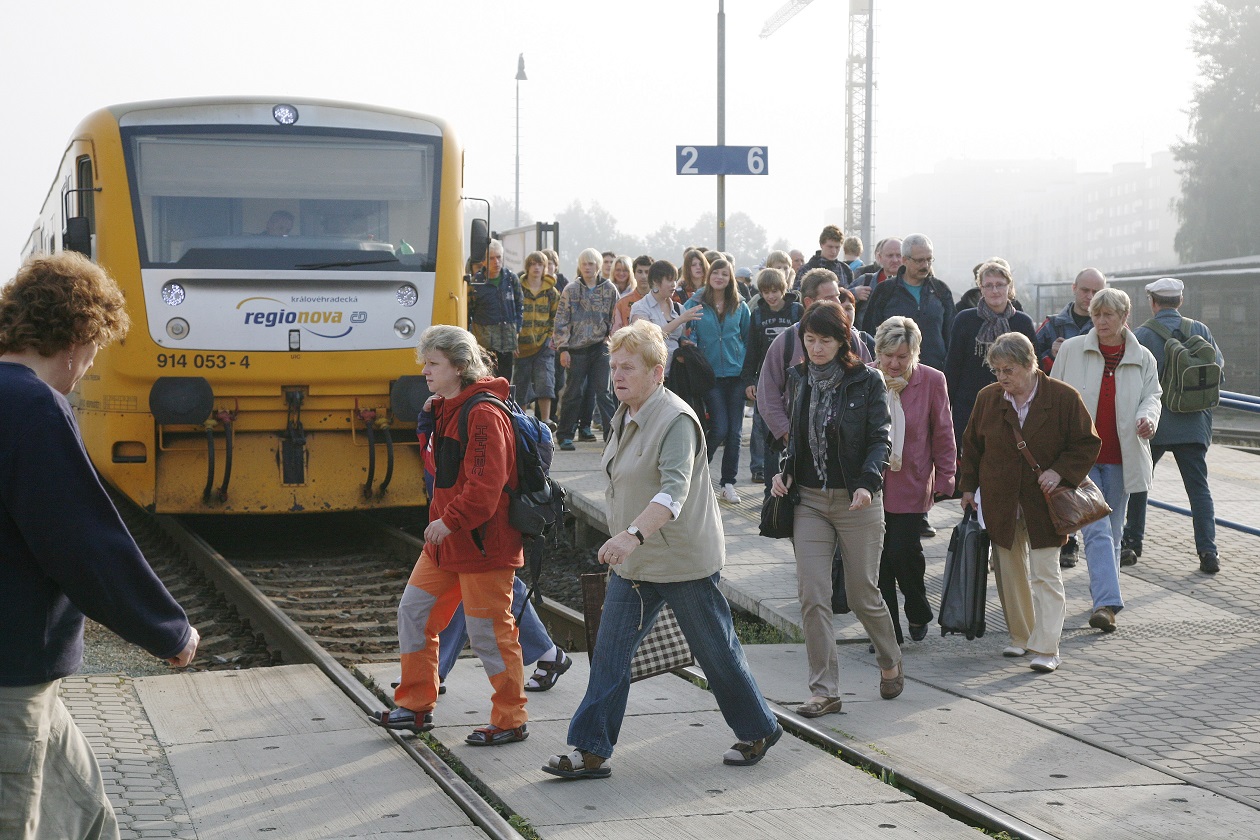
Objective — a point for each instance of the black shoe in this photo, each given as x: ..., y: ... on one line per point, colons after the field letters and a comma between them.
x: 758, y: 478
x: 1208, y: 563
x: 1067, y: 554
x: 927, y: 531
x: 586, y: 435
x: 1128, y: 557
x: 918, y: 632
x: 1132, y: 545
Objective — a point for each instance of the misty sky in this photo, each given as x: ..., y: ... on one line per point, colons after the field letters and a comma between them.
x: 614, y: 87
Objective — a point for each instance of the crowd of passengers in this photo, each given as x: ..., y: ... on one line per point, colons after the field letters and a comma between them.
x: 873, y: 396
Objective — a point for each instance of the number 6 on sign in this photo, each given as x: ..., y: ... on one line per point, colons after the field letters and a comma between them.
x: 756, y: 160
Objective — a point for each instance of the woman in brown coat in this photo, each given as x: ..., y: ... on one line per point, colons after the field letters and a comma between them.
x: 995, y: 476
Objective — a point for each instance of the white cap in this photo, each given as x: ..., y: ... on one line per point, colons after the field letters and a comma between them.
x: 1166, y: 287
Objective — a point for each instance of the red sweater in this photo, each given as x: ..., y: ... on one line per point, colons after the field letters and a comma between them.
x: 468, y: 492
x: 1105, y: 424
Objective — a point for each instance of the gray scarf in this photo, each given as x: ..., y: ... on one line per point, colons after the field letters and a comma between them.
x: 995, y: 324
x: 823, y: 383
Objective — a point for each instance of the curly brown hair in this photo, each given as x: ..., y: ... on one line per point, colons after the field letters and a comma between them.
x: 60, y: 301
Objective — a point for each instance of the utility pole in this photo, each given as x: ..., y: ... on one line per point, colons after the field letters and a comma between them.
x: 721, y: 121
x: 520, y: 77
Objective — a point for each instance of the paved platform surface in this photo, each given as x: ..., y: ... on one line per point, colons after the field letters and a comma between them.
x: 1178, y: 685
x: 231, y: 754
x: 1153, y: 731
x: 668, y: 778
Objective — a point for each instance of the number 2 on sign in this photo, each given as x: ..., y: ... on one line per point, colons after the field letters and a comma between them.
x: 689, y: 168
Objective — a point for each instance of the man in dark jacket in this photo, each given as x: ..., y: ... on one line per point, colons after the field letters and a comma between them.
x: 1074, y: 320
x: 828, y: 256
x: 917, y: 294
x: 886, y: 265
x: 496, y: 310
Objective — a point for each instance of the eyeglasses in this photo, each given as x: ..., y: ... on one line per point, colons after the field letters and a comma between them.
x: 919, y: 260
x: 995, y: 287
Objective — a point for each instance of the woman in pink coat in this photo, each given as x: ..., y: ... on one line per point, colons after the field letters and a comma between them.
x: 920, y: 468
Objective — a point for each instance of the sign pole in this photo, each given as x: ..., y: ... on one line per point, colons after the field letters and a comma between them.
x: 721, y: 122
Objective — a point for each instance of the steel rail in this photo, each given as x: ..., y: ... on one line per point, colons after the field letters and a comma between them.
x: 297, y: 647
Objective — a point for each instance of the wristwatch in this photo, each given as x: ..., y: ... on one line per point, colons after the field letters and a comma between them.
x: 634, y: 531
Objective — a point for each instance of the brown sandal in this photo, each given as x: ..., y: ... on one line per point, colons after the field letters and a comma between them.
x: 547, y: 673
x: 890, y: 687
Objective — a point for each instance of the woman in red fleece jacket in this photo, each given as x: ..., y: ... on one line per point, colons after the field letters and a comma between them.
x: 470, y: 552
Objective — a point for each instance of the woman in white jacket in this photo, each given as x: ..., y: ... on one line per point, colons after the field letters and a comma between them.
x: 1119, y: 383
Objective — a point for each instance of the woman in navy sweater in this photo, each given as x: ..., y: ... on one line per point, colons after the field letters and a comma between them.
x: 972, y: 333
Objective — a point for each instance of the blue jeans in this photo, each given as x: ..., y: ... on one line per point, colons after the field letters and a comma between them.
x: 757, y: 443
x: 1192, y: 462
x: 705, y: 619
x: 588, y: 370
x: 532, y: 634
x: 725, y: 403
x: 1102, y: 538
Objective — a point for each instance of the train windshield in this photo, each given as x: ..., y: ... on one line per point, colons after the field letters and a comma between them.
x: 236, y: 200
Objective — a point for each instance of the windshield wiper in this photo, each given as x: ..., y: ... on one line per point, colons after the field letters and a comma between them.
x: 347, y: 263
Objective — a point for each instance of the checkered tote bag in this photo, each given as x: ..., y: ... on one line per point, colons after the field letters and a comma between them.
x: 663, y: 649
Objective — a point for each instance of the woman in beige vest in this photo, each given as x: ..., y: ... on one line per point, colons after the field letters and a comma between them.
x: 667, y: 548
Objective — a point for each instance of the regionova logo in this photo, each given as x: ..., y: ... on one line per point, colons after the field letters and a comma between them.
x: 313, y: 313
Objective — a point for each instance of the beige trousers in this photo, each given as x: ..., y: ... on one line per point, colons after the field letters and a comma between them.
x: 822, y: 518
x: 1030, y: 587
x: 50, y: 784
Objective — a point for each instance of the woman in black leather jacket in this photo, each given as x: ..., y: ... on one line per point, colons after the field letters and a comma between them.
x: 836, y: 454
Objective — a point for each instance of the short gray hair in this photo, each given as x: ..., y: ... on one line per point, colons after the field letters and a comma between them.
x: 915, y: 240
x: 1112, y: 299
x: 459, y: 347
x: 1011, y: 347
x: 896, y: 331
x: 495, y: 247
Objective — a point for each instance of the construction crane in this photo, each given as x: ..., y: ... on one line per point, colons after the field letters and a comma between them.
x: 859, y: 123
x: 782, y: 16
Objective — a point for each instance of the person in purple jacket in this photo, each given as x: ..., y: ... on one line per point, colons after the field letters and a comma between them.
x: 920, y: 469
x: 64, y: 551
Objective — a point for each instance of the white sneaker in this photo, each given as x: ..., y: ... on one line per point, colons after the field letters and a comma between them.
x: 728, y: 494
x: 1013, y: 650
x: 748, y: 412
x: 1044, y: 664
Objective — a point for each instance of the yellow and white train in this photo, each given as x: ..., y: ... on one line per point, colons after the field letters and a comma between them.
x: 280, y: 260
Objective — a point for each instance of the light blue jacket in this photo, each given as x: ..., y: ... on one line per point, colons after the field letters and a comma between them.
x: 721, y: 342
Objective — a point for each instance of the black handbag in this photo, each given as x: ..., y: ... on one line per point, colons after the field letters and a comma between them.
x: 778, y: 513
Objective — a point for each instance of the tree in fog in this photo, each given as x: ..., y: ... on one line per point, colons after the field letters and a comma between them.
x: 1219, y: 208
x: 593, y: 227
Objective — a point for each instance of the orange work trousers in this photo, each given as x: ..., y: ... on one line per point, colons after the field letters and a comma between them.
x: 426, y: 608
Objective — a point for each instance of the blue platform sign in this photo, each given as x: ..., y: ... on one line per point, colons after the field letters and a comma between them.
x: 722, y: 160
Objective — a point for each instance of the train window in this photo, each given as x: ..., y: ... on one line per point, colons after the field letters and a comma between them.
x: 87, y: 199
x: 243, y: 200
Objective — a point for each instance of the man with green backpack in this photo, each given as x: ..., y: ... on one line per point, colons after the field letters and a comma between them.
x: 1190, y: 372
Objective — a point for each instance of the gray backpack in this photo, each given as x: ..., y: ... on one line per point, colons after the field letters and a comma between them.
x: 1191, y: 379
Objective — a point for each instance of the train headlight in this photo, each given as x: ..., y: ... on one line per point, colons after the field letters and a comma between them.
x: 407, y: 295
x: 177, y: 328
x: 173, y: 294
x: 404, y: 328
